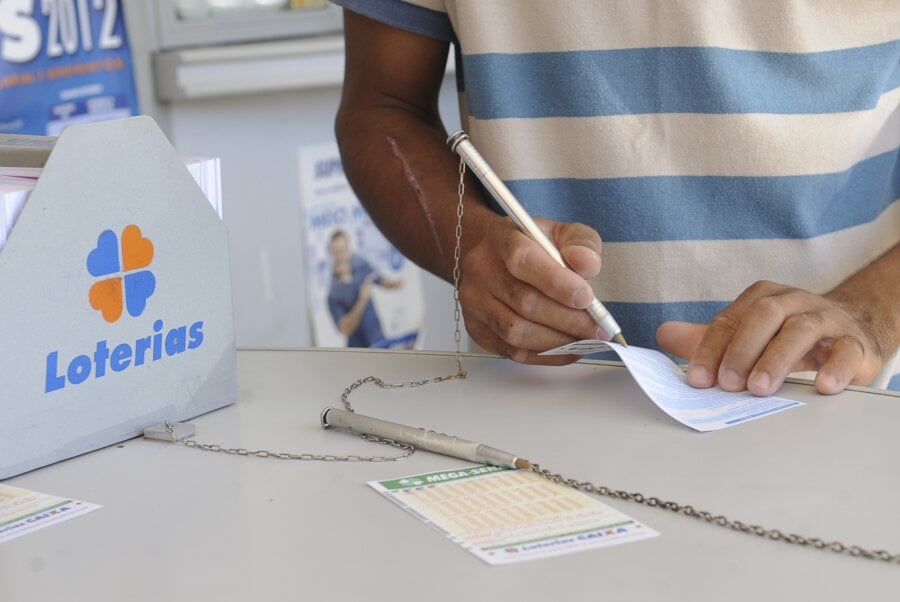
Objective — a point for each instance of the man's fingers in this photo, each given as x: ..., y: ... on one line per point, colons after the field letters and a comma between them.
x: 528, y: 262
x: 777, y: 330
x: 580, y: 246
x: 772, y: 330
x: 703, y: 367
x: 532, y: 304
x: 518, y: 301
x: 582, y: 260
x: 484, y: 335
x: 757, y: 340
x: 842, y: 366
x: 797, y: 336
x: 514, y: 329
x: 515, y: 289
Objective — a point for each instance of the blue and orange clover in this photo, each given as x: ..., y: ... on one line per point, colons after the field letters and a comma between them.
x: 126, y: 284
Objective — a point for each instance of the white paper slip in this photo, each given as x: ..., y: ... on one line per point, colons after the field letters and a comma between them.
x: 664, y: 383
x: 23, y: 511
x: 503, y: 515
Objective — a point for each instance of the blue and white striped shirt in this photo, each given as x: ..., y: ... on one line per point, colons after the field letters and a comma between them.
x: 712, y: 144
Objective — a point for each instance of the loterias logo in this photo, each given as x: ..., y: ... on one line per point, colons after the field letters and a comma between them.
x: 121, y: 279
x: 127, y: 284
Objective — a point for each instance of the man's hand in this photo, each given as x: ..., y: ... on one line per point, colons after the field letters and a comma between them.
x: 773, y: 329
x: 517, y: 301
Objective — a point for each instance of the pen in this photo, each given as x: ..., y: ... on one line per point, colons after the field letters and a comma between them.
x: 421, y: 438
x: 459, y: 143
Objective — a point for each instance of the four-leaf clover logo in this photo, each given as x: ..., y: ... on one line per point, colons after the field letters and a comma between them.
x: 125, y: 277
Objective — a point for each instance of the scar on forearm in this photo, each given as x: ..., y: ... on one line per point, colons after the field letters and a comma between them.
x: 417, y: 190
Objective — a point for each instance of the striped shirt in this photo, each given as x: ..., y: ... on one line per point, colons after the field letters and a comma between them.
x: 712, y: 144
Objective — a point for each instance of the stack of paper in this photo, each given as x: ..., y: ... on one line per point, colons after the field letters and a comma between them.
x: 13, y: 195
x: 207, y: 174
x: 16, y: 184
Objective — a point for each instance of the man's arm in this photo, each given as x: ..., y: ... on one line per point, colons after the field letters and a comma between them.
x: 516, y: 301
x: 771, y: 330
x: 392, y: 140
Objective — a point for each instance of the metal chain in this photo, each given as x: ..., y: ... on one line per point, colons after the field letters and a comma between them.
x: 722, y: 521
x: 406, y: 448
x: 457, y: 314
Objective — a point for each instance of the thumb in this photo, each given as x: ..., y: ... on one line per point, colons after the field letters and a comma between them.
x: 680, y: 338
x: 580, y: 247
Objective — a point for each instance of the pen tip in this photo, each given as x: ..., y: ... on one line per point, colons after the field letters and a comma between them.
x: 620, y: 340
x: 522, y: 463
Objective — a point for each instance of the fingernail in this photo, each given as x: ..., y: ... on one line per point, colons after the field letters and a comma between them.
x: 760, y: 381
x: 582, y: 297
x: 601, y: 335
x: 730, y: 380
x: 594, y: 255
x: 828, y: 381
x: 698, y: 376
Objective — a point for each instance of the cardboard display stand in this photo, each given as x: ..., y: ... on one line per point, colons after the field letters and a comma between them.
x: 115, y: 311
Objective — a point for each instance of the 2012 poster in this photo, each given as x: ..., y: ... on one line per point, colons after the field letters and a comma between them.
x: 63, y: 62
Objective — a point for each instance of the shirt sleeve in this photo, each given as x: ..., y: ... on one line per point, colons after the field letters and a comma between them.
x: 407, y: 15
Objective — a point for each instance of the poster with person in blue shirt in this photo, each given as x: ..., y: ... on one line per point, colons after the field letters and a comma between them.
x: 63, y: 62
x: 361, y: 291
x: 350, y: 294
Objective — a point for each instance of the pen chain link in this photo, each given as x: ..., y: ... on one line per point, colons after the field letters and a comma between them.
x: 722, y: 521
x: 586, y: 486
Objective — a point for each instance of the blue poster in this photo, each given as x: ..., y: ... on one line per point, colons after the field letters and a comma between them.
x: 63, y: 62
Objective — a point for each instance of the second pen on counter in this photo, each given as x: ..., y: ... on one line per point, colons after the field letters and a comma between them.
x: 432, y: 441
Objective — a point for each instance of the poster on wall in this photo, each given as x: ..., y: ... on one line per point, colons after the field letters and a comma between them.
x: 63, y: 62
x: 361, y: 291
